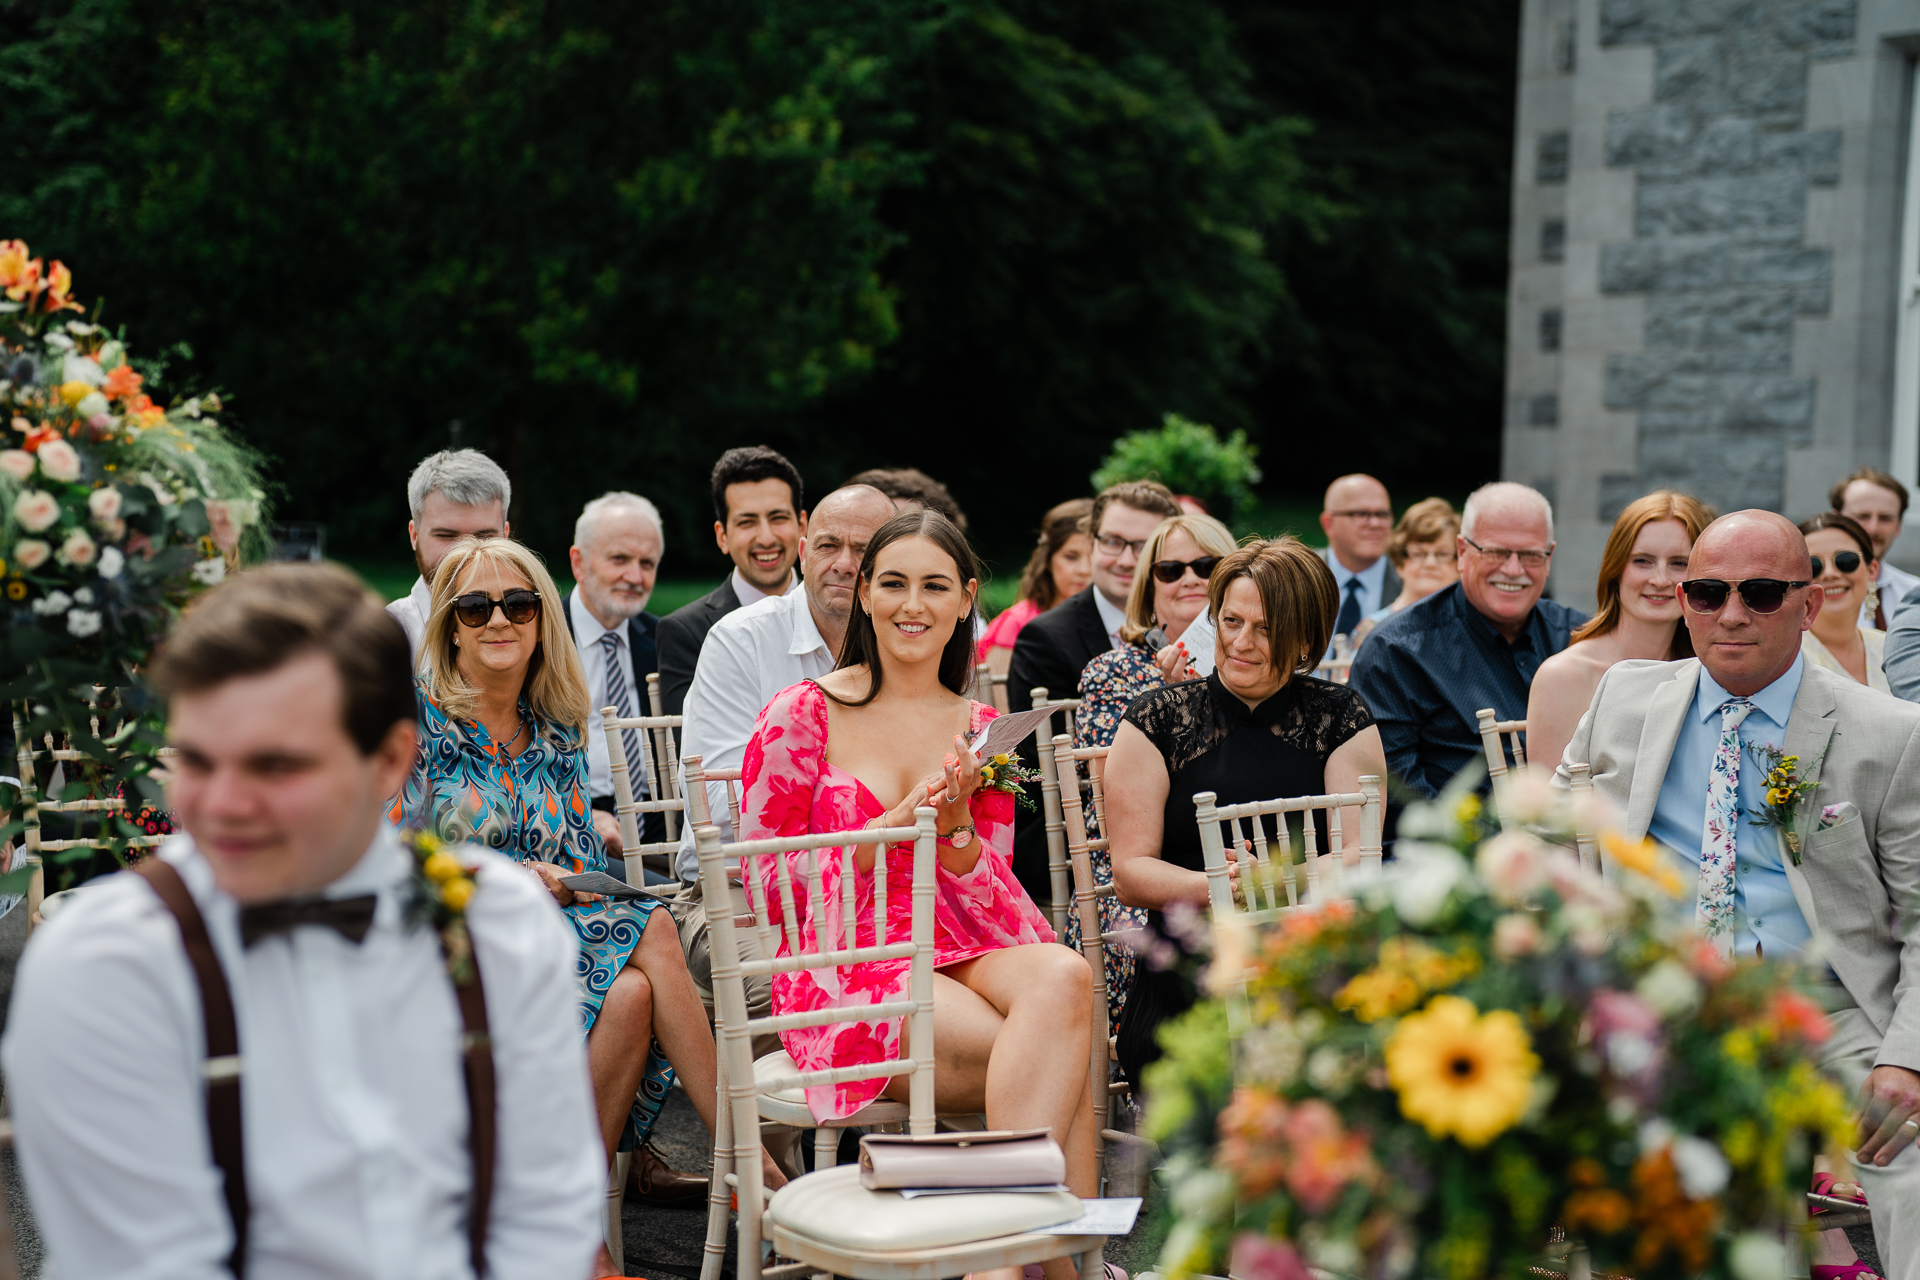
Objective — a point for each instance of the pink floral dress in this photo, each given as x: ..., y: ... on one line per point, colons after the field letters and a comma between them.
x: 790, y: 789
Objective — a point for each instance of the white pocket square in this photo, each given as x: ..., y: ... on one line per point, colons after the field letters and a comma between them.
x: 1835, y: 814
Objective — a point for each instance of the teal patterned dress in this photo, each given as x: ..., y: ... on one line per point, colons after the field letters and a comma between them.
x: 533, y: 807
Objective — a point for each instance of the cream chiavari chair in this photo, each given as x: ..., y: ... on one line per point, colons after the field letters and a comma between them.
x: 30, y: 805
x: 1087, y: 894
x: 1583, y: 842
x: 1335, y: 669
x: 1059, y: 873
x: 657, y: 749
x: 1275, y: 885
x: 826, y: 1221
x: 1494, y: 736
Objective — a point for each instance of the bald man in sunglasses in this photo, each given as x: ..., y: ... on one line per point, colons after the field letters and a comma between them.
x: 1681, y: 749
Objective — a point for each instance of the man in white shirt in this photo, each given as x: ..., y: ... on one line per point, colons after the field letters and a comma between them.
x: 454, y: 494
x: 1878, y: 502
x: 617, y: 546
x: 1357, y: 516
x: 753, y: 653
x: 291, y: 703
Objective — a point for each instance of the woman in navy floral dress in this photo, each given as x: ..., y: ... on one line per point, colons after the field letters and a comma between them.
x: 1187, y: 547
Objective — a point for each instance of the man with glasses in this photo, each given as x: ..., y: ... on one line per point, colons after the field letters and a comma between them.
x: 1056, y: 647
x: 1682, y: 749
x: 1428, y: 670
x: 1358, y: 519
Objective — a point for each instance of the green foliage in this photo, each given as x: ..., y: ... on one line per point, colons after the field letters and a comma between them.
x: 1190, y: 459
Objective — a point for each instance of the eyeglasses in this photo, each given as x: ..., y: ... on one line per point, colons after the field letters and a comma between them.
x: 1171, y: 571
x: 1760, y: 595
x: 1500, y: 555
x: 475, y: 609
x: 1114, y: 545
x: 1844, y: 561
x: 1428, y: 557
x: 1378, y: 516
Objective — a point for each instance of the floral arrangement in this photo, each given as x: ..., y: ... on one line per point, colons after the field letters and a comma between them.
x: 442, y: 887
x: 1007, y: 773
x: 1488, y: 1049
x: 114, y: 511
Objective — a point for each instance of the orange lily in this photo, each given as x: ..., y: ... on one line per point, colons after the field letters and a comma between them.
x: 122, y: 381
x: 13, y: 262
x: 59, y: 285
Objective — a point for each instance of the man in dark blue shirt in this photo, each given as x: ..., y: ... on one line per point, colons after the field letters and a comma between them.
x: 1428, y: 670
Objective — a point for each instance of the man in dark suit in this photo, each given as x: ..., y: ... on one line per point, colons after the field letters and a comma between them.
x: 1056, y: 647
x: 617, y: 546
x: 758, y: 522
x: 1358, y: 519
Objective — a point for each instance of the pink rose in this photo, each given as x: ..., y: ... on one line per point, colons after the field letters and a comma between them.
x: 31, y: 553
x: 59, y: 461
x: 1515, y: 935
x: 1255, y: 1257
x: 78, y: 549
x: 36, y: 510
x: 104, y: 503
x: 17, y: 463
x: 1514, y: 866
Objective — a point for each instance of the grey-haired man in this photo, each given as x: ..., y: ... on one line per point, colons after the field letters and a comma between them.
x: 454, y: 494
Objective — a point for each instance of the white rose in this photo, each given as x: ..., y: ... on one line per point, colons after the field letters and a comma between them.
x: 83, y: 622
x: 92, y: 405
x: 112, y: 355
x: 104, y: 503
x: 59, y: 461
x: 83, y: 596
x: 1669, y: 988
x: 1703, y: 1170
x: 31, y: 553
x: 210, y: 571
x: 111, y: 561
x: 57, y: 602
x: 79, y: 368
x: 1423, y: 877
x: 1757, y: 1257
x: 78, y: 549
x: 1514, y: 866
x: 17, y: 463
x: 36, y: 510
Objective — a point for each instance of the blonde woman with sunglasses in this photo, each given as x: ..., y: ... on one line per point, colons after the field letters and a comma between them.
x: 503, y: 719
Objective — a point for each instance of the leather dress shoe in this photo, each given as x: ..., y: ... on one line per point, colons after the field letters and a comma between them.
x: 652, y: 1179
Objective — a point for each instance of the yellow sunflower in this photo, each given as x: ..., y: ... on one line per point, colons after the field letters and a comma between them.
x: 1460, y: 1072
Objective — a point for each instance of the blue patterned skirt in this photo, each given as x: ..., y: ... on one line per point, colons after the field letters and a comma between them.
x: 609, y: 930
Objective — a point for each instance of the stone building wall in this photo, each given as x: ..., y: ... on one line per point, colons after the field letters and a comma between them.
x: 1705, y: 245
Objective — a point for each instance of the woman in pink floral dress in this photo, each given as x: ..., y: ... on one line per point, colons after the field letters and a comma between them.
x: 864, y: 746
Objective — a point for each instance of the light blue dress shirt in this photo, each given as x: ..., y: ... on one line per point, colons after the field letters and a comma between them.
x: 1767, y: 916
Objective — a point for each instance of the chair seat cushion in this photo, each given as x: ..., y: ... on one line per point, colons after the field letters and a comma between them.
x: 772, y: 1067
x: 832, y: 1207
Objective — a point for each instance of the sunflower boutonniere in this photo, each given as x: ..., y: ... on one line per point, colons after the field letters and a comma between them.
x: 442, y: 887
x: 1786, y: 788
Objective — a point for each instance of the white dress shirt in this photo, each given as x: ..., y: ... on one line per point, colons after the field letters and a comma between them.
x: 1112, y: 616
x: 593, y: 661
x: 750, y: 655
x: 750, y: 594
x: 354, y: 1111
x: 411, y: 611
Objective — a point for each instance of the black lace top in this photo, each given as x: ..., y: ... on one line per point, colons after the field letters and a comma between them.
x: 1212, y: 742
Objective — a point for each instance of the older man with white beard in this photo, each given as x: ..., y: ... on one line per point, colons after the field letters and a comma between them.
x: 616, y: 552
x: 1428, y: 670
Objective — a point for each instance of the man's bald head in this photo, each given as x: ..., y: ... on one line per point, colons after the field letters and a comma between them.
x: 1745, y: 651
x: 1357, y: 517
x: 842, y: 525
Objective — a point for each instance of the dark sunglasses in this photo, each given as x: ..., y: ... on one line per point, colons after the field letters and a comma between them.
x: 1844, y: 561
x: 476, y: 607
x: 1170, y: 571
x: 1760, y: 595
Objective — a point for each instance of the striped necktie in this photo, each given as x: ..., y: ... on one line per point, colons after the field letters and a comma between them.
x: 1720, y: 835
x: 622, y: 701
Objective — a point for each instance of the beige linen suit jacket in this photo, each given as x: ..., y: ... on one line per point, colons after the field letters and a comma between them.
x: 1858, y: 882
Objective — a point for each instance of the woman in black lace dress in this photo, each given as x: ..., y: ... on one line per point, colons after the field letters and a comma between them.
x: 1258, y: 728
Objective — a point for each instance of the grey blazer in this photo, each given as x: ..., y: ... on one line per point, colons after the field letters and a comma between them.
x: 1858, y: 881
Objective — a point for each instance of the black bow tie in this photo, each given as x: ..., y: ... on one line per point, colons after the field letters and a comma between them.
x: 350, y: 917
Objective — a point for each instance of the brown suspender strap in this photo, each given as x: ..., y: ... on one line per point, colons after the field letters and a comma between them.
x: 223, y: 1071
x: 476, y: 1056
x: 222, y: 1067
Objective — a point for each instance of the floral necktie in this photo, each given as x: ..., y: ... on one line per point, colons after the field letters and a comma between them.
x: 1719, y: 838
